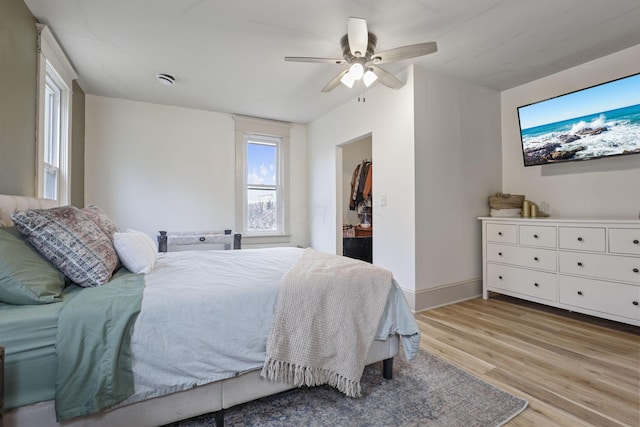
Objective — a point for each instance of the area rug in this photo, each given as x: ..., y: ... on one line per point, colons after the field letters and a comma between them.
x: 426, y: 392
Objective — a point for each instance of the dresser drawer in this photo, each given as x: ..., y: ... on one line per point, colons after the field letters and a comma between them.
x: 532, y: 283
x: 609, y: 267
x: 502, y: 233
x: 543, y: 259
x: 624, y: 241
x: 582, y: 238
x: 535, y: 235
x: 606, y: 297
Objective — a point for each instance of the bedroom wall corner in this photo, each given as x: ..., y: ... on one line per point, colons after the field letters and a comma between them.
x: 458, y: 165
x: 156, y: 167
x: 18, y: 101
x: 299, y: 171
x: 77, y: 146
x: 451, y: 293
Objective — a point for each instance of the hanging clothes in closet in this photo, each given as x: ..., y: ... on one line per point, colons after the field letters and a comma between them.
x: 360, y: 185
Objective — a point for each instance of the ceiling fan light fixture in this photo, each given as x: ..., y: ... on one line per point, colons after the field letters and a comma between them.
x: 358, y: 51
x: 348, y: 80
x: 369, y: 77
x: 356, y: 71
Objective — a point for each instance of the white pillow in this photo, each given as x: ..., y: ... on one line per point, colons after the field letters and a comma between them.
x: 136, y: 251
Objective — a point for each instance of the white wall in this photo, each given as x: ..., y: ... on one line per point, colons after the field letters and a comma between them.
x: 457, y: 162
x: 388, y: 116
x: 603, y: 187
x: 154, y: 167
x: 436, y: 155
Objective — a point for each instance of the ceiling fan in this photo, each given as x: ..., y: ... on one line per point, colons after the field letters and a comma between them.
x: 358, y: 47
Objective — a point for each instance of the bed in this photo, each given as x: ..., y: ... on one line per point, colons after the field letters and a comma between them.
x: 153, y: 375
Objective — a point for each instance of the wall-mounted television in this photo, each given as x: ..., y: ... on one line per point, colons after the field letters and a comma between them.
x: 591, y: 123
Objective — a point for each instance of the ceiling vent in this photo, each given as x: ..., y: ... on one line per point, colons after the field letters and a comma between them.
x: 166, y: 79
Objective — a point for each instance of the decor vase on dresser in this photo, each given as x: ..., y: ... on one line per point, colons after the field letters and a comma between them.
x: 590, y: 266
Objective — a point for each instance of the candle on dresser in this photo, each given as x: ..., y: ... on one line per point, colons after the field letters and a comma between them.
x: 525, y: 209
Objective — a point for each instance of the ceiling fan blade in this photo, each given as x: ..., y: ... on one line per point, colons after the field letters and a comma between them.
x: 386, y: 78
x: 405, y: 52
x: 358, y: 36
x: 312, y: 59
x: 334, y: 82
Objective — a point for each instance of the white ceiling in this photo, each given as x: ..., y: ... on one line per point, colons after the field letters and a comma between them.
x: 227, y: 55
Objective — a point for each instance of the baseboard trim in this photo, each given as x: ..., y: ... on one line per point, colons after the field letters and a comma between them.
x: 444, y: 295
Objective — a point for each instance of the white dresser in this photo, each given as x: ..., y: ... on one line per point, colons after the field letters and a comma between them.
x: 590, y: 266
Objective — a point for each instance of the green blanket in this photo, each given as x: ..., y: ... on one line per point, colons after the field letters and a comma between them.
x: 93, y: 346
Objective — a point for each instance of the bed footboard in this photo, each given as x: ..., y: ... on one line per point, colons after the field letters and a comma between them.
x: 251, y: 386
x: 387, y: 373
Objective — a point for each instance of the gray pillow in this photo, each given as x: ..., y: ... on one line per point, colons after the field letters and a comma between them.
x: 105, y: 223
x: 25, y: 276
x: 71, y: 241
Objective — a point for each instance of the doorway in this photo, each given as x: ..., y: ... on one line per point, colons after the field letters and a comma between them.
x: 354, y: 205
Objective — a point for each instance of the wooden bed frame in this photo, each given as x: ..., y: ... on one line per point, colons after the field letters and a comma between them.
x: 212, y: 397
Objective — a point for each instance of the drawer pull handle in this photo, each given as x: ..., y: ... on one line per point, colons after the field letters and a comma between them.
x: 535, y: 258
x: 500, y: 277
x: 499, y: 233
x: 635, y: 270
x: 201, y: 239
x: 536, y: 285
x: 635, y: 303
x: 535, y: 236
x: 580, y: 293
x: 500, y: 253
x: 579, y: 239
x: 579, y: 264
x: 636, y: 242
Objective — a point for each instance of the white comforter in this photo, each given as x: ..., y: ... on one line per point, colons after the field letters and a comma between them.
x: 206, y: 316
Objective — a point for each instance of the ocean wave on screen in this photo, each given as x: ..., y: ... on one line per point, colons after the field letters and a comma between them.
x: 620, y: 136
x: 598, y: 122
x: 616, y: 140
x: 608, y: 133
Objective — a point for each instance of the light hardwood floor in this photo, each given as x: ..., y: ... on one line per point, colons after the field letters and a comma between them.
x: 574, y: 370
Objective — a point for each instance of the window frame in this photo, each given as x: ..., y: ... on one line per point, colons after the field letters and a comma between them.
x: 260, y: 130
x: 54, y: 69
x: 256, y: 139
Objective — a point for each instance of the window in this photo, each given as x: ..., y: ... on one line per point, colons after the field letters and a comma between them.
x: 51, y: 140
x: 262, y: 155
x: 261, y: 177
x: 55, y: 76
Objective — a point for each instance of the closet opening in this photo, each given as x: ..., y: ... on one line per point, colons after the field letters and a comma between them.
x: 355, y: 196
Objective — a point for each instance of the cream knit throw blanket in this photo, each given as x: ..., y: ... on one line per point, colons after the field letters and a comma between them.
x: 325, y: 320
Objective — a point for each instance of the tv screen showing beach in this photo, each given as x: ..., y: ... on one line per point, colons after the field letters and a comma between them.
x: 599, y: 121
